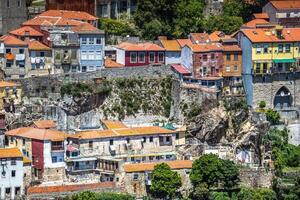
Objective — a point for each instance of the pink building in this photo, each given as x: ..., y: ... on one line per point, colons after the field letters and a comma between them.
x: 141, y: 54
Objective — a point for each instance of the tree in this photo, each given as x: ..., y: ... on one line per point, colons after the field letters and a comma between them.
x: 88, y: 195
x: 273, y: 116
x: 165, y: 182
x: 189, y: 17
x: 213, y: 171
x: 85, y: 195
x: 227, y: 24
x: 262, y: 105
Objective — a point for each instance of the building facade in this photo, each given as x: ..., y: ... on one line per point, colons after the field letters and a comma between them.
x: 10, y: 95
x: 11, y: 179
x: 13, y: 13
x: 173, y: 50
x: 285, y: 13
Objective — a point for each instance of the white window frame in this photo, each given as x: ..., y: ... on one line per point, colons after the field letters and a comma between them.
x: 151, y: 53
x: 91, y: 41
x: 91, y: 55
x: 228, y: 68
x: 98, y: 55
x: 136, y: 57
x: 91, y: 68
x: 99, y: 40
x: 141, y: 53
x: 84, y: 55
x: 235, y: 68
x: 84, y: 41
x: 161, y: 53
x: 258, y: 49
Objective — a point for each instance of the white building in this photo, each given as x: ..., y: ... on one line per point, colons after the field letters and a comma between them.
x: 11, y: 173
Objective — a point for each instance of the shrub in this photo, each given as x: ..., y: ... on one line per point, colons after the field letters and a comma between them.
x: 273, y: 116
x: 262, y: 104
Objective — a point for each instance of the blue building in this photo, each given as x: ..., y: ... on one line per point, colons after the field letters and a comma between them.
x: 92, y: 43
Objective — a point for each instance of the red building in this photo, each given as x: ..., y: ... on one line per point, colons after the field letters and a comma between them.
x: 141, y: 54
x: 77, y: 5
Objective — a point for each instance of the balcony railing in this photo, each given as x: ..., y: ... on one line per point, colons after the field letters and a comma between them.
x: 57, y: 148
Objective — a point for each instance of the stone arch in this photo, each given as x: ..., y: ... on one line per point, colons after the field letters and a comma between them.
x: 283, y: 98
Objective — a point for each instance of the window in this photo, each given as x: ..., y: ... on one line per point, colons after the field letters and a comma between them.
x: 42, y: 54
x: 177, y: 136
x: 228, y: 56
x: 91, y: 55
x: 151, y: 139
x: 21, y: 64
x: 83, y: 41
x: 83, y: 69
x: 141, y: 57
x: 280, y: 48
x: 13, y: 173
x: 266, y: 48
x: 257, y: 69
x: 7, y: 191
x: 111, y: 142
x: 54, y: 159
x: 90, y: 144
x: 8, y: 50
x: 212, y: 56
x: 21, y: 51
x: 236, y: 57
x: 17, y: 191
x: 135, y: 177
x: 8, y: 64
x: 91, y: 40
x: 152, y: 57
x: 235, y: 68
x: 227, y: 68
x: 132, y: 159
x: 258, y: 49
x: 98, y: 41
x: 84, y: 55
x: 161, y: 57
x: 204, y: 57
x: 13, y: 161
x: 133, y: 57
x: 151, y: 157
x: 7, y: 3
x: 91, y: 68
x: 288, y: 48
x: 23, y: 142
x: 98, y: 55
x: 74, y: 68
x: 265, y: 67
x: 144, y: 139
x: 19, y: 3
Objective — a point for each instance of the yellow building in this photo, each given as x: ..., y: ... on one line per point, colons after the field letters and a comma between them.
x: 271, y: 50
x: 10, y: 95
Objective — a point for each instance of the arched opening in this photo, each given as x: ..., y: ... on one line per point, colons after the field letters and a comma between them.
x: 283, y: 98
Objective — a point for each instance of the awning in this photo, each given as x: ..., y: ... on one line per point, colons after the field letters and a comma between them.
x: 284, y: 60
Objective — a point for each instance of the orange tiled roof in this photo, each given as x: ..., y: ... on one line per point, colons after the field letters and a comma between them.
x: 170, y: 45
x: 285, y: 5
x: 183, y: 42
x: 267, y: 35
x: 147, y: 46
x: 38, y: 134
x: 253, y: 23
x: 200, y: 37
x: 44, y: 124
x: 68, y: 188
x: 261, y: 15
x: 217, y: 36
x: 26, y: 31
x: 10, y: 153
x: 206, y: 47
x: 109, y: 63
x: 86, y: 28
x: 120, y: 132
x: 10, y: 40
x: 231, y: 48
x: 4, y: 84
x: 26, y: 160
x: 51, y: 21
x: 141, y: 167
x: 111, y: 124
x: 38, y: 46
x: 67, y: 14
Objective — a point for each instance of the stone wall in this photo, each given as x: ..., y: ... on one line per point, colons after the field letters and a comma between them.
x: 265, y: 88
x: 256, y: 178
x: 53, y: 174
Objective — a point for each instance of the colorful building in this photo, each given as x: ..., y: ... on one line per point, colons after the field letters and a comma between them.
x: 173, y: 50
x: 45, y: 148
x: 141, y: 54
x: 10, y: 95
x: 266, y: 52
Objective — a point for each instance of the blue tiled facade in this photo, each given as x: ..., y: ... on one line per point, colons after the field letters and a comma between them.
x: 91, y: 52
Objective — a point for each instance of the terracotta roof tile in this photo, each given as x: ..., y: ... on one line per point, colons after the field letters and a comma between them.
x: 261, y: 15
x: 200, y: 37
x: 38, y: 134
x: 181, y: 69
x: 141, y: 167
x: 44, y: 124
x: 10, y: 40
x: 253, y: 23
x: 267, y: 35
x: 217, y: 36
x: 170, y: 45
x: 147, y: 46
x: 38, y: 46
x: 26, y: 31
x: 183, y: 42
x: 51, y: 21
x: 231, y: 48
x: 69, y: 188
x: 109, y: 63
x: 120, y: 132
x: 111, y: 124
x: 286, y: 5
x: 87, y: 29
x: 10, y: 153
x: 26, y: 160
x: 77, y: 15
x: 8, y: 84
x: 206, y: 47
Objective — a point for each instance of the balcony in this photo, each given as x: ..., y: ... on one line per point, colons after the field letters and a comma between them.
x: 57, y: 146
x: 20, y: 56
x: 10, y: 56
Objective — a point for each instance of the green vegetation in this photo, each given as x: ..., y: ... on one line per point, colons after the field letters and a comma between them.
x: 262, y: 105
x: 273, y: 116
x: 236, y: 104
x: 80, y: 89
x: 165, y: 182
x: 88, y: 195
